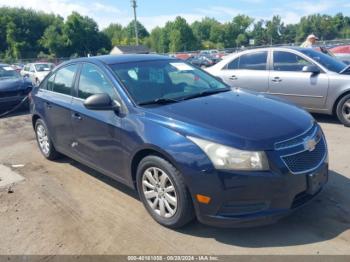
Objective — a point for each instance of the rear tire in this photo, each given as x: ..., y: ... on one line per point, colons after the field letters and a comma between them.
x: 343, y: 110
x: 163, y: 192
x: 44, y: 141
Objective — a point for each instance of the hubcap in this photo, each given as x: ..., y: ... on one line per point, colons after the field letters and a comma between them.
x: 159, y: 192
x: 43, y: 139
x: 346, y: 110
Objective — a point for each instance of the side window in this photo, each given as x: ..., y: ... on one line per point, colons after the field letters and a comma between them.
x: 92, y: 82
x: 26, y: 68
x: 253, y: 61
x: 233, y: 64
x: 286, y: 61
x: 63, y: 81
x: 32, y: 69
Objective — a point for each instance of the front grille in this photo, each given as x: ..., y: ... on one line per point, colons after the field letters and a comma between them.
x: 296, y: 140
x: 307, y: 160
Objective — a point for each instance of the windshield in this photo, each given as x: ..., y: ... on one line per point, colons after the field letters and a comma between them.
x: 8, y: 72
x: 331, y: 63
x: 165, y: 79
x: 43, y: 67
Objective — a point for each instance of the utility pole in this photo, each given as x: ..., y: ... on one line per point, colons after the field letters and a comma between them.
x: 134, y: 6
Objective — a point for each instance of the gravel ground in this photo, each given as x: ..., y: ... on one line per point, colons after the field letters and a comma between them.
x: 64, y: 207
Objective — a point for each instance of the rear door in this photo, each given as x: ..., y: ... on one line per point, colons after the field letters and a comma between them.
x: 288, y: 81
x: 249, y: 71
x: 96, y: 133
x: 56, y: 100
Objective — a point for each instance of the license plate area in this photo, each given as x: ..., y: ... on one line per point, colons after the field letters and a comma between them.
x: 316, y: 181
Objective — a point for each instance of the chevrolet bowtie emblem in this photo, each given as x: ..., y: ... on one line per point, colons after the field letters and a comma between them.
x: 310, y: 144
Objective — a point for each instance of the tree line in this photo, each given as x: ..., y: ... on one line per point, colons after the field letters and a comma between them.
x: 25, y: 33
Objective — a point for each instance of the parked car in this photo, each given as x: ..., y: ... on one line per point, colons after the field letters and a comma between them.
x: 36, y: 72
x: 13, y: 88
x: 187, y: 142
x: 311, y: 79
x: 201, y: 61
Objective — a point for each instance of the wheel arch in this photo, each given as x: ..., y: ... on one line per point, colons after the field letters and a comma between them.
x: 35, y: 118
x: 147, y: 151
x: 334, y: 108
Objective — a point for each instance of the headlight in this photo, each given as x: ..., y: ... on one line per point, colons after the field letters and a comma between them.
x: 224, y: 157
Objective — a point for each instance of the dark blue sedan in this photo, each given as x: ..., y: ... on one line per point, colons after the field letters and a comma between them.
x: 13, y: 87
x: 189, y: 145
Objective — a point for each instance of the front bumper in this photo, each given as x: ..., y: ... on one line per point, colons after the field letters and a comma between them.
x: 248, y: 200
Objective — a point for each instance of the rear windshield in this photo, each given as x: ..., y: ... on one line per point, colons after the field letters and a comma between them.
x: 43, y: 67
x: 8, y: 72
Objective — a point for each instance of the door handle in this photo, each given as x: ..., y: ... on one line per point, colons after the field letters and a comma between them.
x: 233, y: 77
x: 77, y: 116
x: 276, y: 79
x: 48, y: 105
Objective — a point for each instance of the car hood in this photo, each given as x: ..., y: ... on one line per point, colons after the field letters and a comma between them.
x: 235, y: 118
x: 13, y: 84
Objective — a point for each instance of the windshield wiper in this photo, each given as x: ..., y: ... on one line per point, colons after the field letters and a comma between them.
x: 345, y: 69
x: 206, y: 93
x: 159, y: 101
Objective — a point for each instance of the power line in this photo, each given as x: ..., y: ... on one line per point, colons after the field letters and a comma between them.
x: 134, y: 6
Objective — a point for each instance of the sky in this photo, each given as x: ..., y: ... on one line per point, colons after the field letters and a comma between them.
x: 152, y: 13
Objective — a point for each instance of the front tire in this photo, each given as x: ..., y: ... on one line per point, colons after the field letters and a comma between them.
x: 163, y: 192
x: 44, y: 141
x: 343, y: 110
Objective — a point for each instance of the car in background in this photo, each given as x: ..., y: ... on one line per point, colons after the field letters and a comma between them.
x: 13, y: 87
x: 189, y: 144
x: 200, y: 61
x: 342, y: 52
x: 316, y: 81
x: 18, y: 67
x: 36, y: 72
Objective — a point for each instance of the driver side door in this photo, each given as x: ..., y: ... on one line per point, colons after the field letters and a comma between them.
x: 287, y: 80
x: 96, y: 133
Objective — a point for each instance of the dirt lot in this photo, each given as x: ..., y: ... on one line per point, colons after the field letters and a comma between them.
x: 66, y: 208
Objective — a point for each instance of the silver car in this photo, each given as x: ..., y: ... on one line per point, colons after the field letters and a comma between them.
x: 309, y: 78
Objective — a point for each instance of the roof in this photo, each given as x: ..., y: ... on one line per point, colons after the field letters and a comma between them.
x: 132, y: 49
x: 115, y: 59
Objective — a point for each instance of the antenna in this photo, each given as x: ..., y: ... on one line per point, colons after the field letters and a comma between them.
x: 134, y: 6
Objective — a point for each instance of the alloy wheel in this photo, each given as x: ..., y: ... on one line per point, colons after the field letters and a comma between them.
x: 43, y: 139
x: 159, y: 192
x: 346, y: 110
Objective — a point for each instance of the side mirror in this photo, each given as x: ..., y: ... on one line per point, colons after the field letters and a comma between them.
x: 101, y: 102
x: 311, y: 69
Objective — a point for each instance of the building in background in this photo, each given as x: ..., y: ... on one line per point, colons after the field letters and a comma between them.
x: 129, y: 49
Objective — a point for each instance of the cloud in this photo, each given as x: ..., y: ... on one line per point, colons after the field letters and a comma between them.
x: 102, y: 13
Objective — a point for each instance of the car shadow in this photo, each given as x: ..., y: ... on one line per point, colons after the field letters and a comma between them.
x: 97, y: 175
x: 324, y: 218
x: 321, y: 118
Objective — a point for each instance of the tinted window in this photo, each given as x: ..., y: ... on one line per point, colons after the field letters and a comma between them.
x: 251, y: 61
x: 64, y: 80
x: 92, y: 82
x: 331, y: 63
x: 8, y: 72
x: 233, y: 64
x: 286, y: 61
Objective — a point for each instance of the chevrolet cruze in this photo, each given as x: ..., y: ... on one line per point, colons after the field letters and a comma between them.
x: 189, y: 145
